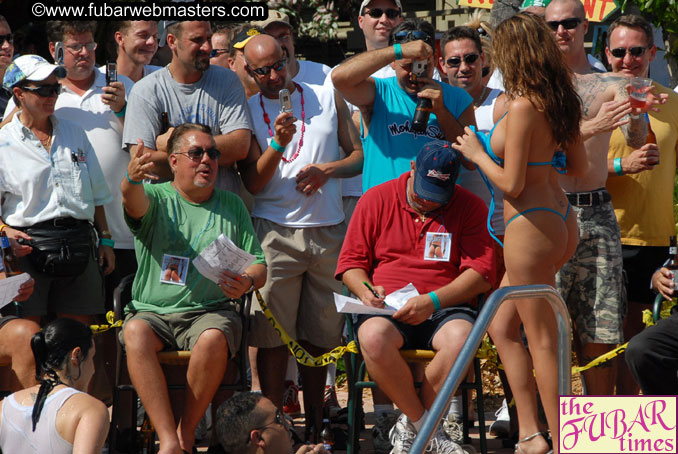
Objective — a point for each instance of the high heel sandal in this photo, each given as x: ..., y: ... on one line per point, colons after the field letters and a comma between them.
x: 519, y: 450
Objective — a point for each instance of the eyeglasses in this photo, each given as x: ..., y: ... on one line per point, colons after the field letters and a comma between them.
x: 216, y: 52
x: 568, y: 24
x: 454, y: 62
x: 77, y: 47
x: 9, y: 38
x: 411, y: 35
x: 45, y: 91
x: 376, y: 13
x: 620, y: 52
x: 196, y: 153
x: 279, y: 419
x: 266, y: 70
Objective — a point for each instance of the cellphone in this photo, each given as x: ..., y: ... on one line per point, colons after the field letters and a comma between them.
x: 111, y: 72
x: 59, y: 53
x: 285, y: 100
x: 419, y: 69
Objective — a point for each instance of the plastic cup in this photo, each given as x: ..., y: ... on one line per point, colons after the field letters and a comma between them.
x: 638, y: 91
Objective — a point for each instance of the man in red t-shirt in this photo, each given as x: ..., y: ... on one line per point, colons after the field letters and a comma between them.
x: 387, y: 245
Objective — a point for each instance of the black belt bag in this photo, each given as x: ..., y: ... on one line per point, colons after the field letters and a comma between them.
x: 63, y: 250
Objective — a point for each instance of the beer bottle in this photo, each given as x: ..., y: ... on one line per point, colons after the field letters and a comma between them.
x: 327, y: 436
x: 9, y: 260
x: 673, y: 263
x: 421, y: 115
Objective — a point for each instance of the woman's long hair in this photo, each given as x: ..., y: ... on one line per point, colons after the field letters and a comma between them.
x: 51, y: 349
x: 533, y: 66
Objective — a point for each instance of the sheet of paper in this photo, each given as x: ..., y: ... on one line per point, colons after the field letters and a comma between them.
x: 348, y: 305
x: 392, y: 302
x: 222, y: 254
x: 398, y: 298
x: 9, y: 287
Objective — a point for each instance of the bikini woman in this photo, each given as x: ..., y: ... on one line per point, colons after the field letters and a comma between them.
x: 537, y: 135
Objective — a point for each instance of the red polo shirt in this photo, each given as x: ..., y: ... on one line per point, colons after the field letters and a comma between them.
x: 387, y: 239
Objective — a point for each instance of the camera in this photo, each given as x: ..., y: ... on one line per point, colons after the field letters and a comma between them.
x: 111, y: 73
x: 419, y: 69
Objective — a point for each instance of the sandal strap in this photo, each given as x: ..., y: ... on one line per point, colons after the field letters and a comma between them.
x: 526, y: 439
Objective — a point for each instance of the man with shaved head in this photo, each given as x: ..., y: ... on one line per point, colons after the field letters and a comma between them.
x: 591, y: 282
x: 293, y: 169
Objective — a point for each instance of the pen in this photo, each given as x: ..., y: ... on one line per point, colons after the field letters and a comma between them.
x: 371, y: 289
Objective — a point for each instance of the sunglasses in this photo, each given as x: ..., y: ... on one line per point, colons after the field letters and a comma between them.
x: 9, y: 38
x: 76, y: 48
x: 620, y: 52
x: 411, y: 35
x: 376, y: 13
x: 568, y: 24
x: 196, y: 153
x: 454, y: 62
x: 216, y: 52
x: 266, y: 70
x: 45, y: 91
x: 279, y: 420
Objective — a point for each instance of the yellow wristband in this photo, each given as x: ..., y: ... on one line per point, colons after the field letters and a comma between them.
x: 2, y: 227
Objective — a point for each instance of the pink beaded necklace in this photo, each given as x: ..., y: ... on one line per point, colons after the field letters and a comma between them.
x: 303, y: 123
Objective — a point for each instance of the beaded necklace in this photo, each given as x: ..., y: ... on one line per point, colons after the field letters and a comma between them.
x: 303, y: 123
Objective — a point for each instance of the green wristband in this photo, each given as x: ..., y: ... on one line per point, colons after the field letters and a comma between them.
x: 107, y: 242
x: 276, y: 146
x: 618, y: 167
x: 435, y: 300
x: 122, y: 111
x: 398, y: 51
x: 131, y: 180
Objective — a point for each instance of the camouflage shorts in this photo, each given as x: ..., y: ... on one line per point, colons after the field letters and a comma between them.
x: 591, y: 282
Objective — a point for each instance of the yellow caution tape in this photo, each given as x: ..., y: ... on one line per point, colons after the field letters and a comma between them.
x: 601, y: 359
x: 486, y: 351
x: 299, y: 353
x: 112, y: 323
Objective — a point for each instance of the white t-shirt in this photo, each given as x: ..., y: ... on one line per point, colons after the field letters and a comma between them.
x: 280, y: 201
x: 311, y: 72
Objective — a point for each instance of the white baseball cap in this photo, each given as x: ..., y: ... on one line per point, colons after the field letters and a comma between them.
x: 30, y: 67
x: 367, y: 2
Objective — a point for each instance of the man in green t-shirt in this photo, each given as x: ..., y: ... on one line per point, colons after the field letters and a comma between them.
x: 174, y: 306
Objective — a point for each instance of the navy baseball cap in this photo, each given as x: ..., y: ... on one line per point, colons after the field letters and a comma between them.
x: 437, y: 169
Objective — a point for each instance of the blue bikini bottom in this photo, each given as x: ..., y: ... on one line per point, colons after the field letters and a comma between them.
x: 523, y: 213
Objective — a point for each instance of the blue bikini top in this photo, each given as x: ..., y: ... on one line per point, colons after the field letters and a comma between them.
x: 559, y: 161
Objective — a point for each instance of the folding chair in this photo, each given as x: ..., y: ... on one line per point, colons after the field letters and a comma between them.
x: 356, y: 373
x: 123, y: 295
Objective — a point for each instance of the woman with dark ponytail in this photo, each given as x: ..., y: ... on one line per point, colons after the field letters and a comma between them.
x: 57, y: 416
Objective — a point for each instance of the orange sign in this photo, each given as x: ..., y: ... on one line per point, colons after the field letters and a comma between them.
x: 596, y: 10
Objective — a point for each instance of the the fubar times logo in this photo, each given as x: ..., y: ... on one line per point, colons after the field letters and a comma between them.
x: 617, y: 424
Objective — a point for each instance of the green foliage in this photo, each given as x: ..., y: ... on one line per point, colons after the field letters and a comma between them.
x: 314, y: 18
x: 662, y: 13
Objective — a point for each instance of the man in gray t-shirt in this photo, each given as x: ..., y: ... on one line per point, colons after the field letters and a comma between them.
x: 190, y: 90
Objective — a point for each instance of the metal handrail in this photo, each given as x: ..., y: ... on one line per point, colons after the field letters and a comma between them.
x: 468, y: 351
